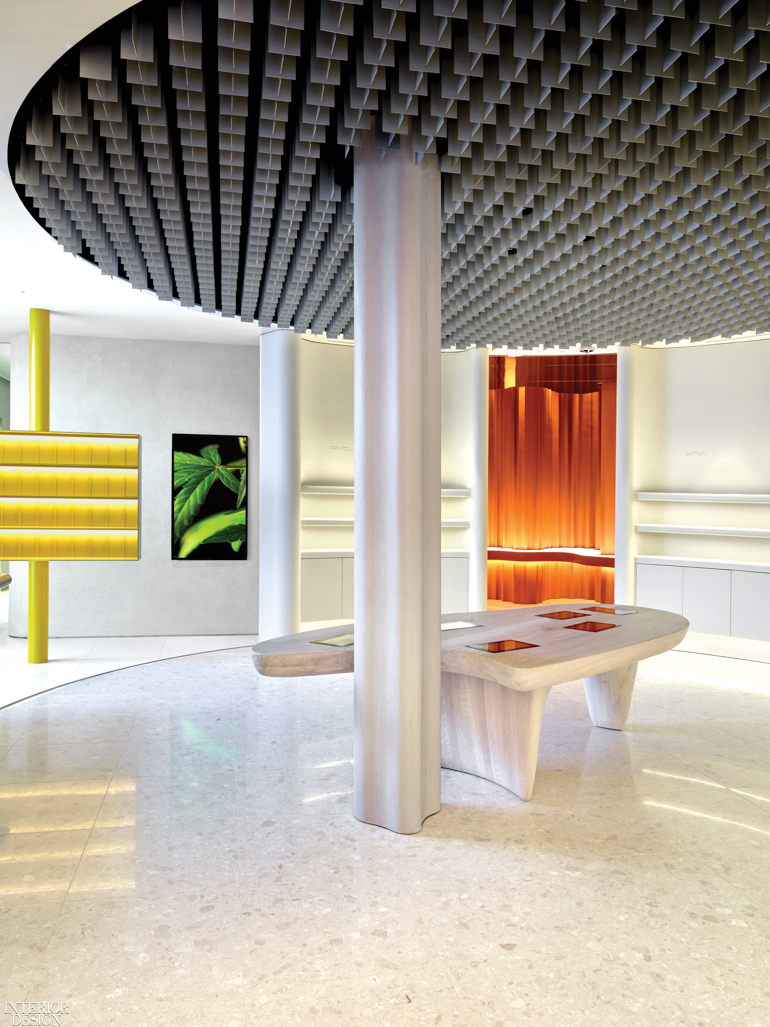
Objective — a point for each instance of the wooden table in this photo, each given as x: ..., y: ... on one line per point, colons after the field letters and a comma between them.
x: 492, y: 703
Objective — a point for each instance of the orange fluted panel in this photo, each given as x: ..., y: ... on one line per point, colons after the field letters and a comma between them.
x: 534, y: 581
x: 552, y: 468
x: 583, y: 373
x: 497, y: 372
x: 548, y: 482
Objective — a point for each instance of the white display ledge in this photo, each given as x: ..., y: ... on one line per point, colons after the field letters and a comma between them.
x: 325, y: 554
x: 347, y: 522
x: 703, y: 529
x: 327, y: 490
x: 703, y: 497
x: 691, y: 561
x: 347, y: 490
x: 551, y: 549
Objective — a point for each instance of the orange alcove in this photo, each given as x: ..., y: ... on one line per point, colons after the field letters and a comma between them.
x: 551, y: 477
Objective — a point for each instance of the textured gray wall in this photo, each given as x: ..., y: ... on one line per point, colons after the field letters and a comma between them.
x: 152, y: 389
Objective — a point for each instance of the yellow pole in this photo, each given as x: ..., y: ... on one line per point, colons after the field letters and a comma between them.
x: 39, y: 420
x: 37, y: 643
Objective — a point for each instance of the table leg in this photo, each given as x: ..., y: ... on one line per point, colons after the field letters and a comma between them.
x: 491, y: 731
x: 609, y: 696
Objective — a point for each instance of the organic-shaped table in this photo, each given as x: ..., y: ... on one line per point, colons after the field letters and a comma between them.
x: 497, y: 670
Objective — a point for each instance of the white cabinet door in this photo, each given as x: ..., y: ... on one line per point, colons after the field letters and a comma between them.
x: 659, y: 586
x: 316, y: 595
x: 706, y: 599
x: 750, y: 606
x: 454, y: 584
x: 321, y: 589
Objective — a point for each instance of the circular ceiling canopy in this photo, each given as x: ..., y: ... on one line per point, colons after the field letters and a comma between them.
x: 605, y: 168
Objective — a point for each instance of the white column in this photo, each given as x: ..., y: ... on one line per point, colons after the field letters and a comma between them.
x: 477, y: 571
x: 625, y: 582
x: 397, y: 211
x: 279, y: 484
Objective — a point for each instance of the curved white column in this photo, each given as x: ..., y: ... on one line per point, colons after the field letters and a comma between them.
x: 477, y: 571
x: 397, y: 479
x: 279, y: 484
x: 625, y: 587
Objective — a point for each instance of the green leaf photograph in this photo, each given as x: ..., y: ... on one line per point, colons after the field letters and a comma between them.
x: 209, y: 488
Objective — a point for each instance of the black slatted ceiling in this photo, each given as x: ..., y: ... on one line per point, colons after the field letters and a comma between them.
x: 605, y: 166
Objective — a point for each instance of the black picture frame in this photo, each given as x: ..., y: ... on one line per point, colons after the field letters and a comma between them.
x: 209, y: 500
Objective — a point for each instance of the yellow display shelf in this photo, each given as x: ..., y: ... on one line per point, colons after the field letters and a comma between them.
x: 69, y: 482
x: 68, y: 449
x: 104, y: 514
x: 63, y: 495
x: 69, y: 496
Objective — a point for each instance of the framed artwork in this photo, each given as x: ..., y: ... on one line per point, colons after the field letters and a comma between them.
x: 209, y: 497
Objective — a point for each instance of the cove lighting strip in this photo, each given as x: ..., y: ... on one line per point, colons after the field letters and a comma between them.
x: 69, y: 496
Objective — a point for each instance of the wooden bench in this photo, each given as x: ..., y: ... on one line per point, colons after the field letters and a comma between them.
x: 492, y: 702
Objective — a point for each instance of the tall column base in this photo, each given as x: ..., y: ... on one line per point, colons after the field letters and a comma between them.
x: 397, y: 604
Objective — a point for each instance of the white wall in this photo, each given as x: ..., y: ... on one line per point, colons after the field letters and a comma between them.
x: 153, y: 389
x: 464, y: 463
x: 326, y: 438
x: 457, y: 435
x: 326, y: 405
x: 715, y: 402
x: 700, y: 421
x: 702, y: 424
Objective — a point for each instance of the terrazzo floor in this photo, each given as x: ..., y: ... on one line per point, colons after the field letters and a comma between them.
x: 71, y: 659
x: 177, y: 846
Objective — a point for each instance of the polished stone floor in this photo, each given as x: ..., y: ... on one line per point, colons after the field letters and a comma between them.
x: 71, y: 659
x: 177, y: 846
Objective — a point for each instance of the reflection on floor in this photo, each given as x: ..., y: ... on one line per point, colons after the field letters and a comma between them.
x: 177, y: 844
x: 71, y: 659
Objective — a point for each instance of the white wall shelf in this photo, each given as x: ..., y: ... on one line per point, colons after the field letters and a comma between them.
x: 703, y: 529
x: 347, y: 522
x: 327, y: 522
x: 702, y: 497
x: 327, y: 490
x: 552, y: 549
x: 347, y: 490
x: 324, y: 554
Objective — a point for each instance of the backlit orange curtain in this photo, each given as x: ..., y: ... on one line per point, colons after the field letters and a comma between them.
x: 552, y: 473
x: 533, y: 581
